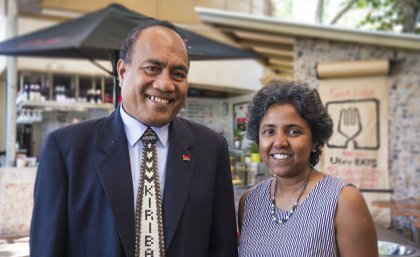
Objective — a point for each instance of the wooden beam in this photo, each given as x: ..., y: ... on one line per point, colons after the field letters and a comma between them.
x: 263, y: 37
x: 251, y: 44
x: 273, y: 76
x: 278, y: 62
x: 272, y: 51
x: 283, y: 73
x: 280, y: 68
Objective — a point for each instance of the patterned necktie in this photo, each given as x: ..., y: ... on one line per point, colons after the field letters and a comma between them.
x: 149, y: 228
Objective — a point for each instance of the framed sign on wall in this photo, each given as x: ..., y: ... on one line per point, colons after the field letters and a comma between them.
x: 240, y: 116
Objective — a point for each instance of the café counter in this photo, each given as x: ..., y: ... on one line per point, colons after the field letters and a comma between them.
x: 16, y: 200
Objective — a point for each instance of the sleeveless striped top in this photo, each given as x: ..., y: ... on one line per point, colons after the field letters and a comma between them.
x: 309, y: 232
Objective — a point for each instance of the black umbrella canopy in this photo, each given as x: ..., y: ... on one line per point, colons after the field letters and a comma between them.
x: 98, y: 36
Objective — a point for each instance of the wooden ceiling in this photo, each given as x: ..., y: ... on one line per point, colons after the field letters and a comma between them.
x: 275, y: 39
x: 276, y: 49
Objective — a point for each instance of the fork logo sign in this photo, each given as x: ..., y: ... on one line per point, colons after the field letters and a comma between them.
x: 357, y: 151
x: 356, y: 124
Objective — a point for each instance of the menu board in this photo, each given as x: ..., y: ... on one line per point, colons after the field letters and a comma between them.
x: 206, y: 112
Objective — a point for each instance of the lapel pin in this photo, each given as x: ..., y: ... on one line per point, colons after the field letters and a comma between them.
x: 186, y: 157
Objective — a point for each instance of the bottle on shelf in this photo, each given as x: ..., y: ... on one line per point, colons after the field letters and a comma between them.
x: 26, y: 91
x: 98, y: 97
x: 31, y: 92
x: 34, y: 93
x: 60, y: 93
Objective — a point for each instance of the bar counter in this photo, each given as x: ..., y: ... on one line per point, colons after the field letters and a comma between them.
x: 407, y: 204
x: 16, y: 200
x: 407, y: 208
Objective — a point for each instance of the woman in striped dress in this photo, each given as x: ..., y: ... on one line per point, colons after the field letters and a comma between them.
x: 300, y: 211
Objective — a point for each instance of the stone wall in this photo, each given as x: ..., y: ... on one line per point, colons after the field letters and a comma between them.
x: 403, y: 102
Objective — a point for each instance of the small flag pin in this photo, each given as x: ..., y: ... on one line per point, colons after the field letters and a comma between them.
x: 186, y: 157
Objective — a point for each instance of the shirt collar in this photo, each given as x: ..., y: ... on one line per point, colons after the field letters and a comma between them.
x: 134, y: 129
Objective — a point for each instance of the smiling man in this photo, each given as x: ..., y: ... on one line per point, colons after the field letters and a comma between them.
x: 153, y: 76
x: 89, y: 193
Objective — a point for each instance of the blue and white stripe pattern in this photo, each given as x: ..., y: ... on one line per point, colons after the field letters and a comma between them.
x: 309, y: 232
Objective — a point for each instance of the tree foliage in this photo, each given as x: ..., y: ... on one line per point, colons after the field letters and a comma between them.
x: 384, y: 15
x: 391, y: 15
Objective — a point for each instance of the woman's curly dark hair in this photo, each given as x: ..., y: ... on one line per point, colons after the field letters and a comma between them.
x: 306, y: 101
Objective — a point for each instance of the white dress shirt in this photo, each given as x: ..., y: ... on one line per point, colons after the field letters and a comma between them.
x: 134, y: 129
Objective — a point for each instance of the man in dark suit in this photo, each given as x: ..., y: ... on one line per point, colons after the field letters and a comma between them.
x: 86, y: 186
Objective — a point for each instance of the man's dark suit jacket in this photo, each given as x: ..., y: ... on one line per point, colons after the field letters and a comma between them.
x: 84, y: 204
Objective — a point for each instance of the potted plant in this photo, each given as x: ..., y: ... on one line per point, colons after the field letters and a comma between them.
x: 238, y: 136
x: 255, y: 153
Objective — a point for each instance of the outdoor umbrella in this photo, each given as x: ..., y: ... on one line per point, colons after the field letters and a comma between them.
x: 98, y: 36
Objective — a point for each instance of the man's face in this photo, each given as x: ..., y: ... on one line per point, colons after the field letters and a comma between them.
x: 154, y: 83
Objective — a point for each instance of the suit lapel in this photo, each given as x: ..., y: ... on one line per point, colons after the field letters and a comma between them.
x: 115, y: 174
x: 179, y: 171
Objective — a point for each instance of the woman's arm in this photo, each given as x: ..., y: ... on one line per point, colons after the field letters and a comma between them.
x: 356, y: 234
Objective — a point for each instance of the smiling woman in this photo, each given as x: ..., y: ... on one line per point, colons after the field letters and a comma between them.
x: 299, y: 206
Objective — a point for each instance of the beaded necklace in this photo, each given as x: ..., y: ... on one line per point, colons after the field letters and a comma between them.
x: 290, y: 212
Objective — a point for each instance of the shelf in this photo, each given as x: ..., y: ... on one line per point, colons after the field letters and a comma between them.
x: 64, y: 106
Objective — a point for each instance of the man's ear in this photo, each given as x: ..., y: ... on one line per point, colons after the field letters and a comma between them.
x: 121, y: 68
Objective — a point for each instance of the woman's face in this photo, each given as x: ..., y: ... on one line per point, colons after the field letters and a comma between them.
x: 285, y: 140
